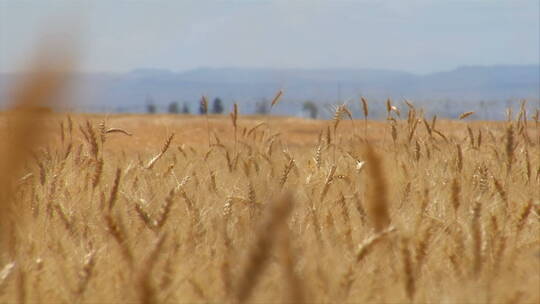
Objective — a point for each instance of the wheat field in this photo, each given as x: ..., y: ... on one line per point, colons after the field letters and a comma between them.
x: 174, y: 209
x: 251, y: 209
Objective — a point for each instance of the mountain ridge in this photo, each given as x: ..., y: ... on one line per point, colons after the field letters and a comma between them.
x: 464, y: 85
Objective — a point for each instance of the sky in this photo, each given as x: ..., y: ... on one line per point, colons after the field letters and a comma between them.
x: 417, y: 36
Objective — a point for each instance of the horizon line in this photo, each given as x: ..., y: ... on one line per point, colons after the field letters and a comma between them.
x: 180, y: 71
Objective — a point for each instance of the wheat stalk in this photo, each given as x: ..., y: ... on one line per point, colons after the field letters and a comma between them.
x: 465, y: 115
x: 410, y: 283
x: 276, y: 99
x: 118, y: 130
x: 114, y: 191
x: 164, y: 149
x: 365, y: 247
x: 377, y: 190
x: 260, y: 252
x: 365, y: 109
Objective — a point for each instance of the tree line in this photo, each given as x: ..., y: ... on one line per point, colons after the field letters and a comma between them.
x: 175, y: 108
x: 262, y: 107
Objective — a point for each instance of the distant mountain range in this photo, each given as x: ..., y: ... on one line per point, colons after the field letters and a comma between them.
x: 448, y: 91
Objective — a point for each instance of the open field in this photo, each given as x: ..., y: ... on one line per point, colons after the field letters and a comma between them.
x: 273, y: 210
x: 236, y: 208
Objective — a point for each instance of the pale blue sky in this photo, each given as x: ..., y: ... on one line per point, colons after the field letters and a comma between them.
x: 417, y: 36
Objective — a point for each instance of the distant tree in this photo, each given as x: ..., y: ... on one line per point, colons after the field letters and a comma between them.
x: 217, y: 106
x: 173, y: 107
x: 150, y: 106
x: 261, y: 107
x: 185, y: 109
x: 203, y: 108
x: 483, y: 108
x: 311, y: 108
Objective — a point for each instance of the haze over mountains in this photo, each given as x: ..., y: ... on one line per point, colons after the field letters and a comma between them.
x: 445, y: 93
